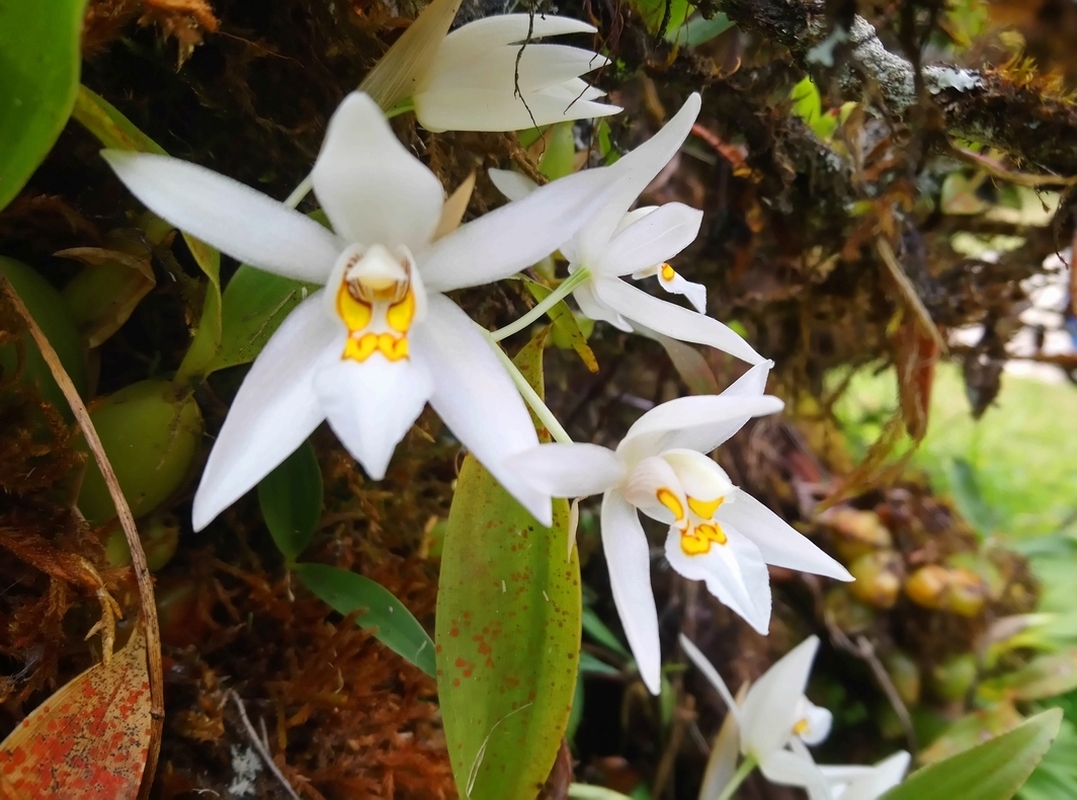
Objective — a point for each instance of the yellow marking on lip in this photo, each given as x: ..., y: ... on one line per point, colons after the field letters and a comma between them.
x: 703, y: 508
x: 400, y: 315
x: 363, y: 347
x: 355, y: 313
x: 697, y: 541
x: 668, y: 273
x: 670, y: 501
x: 801, y: 727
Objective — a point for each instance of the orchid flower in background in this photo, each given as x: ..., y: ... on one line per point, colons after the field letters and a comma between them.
x: 617, y: 242
x: 381, y: 339
x: 866, y: 783
x: 483, y: 77
x: 775, y: 722
x: 717, y: 532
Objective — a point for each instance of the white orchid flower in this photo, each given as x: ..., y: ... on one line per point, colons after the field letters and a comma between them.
x: 382, y: 339
x: 484, y: 78
x: 717, y: 533
x: 866, y: 783
x: 776, y: 721
x: 617, y: 242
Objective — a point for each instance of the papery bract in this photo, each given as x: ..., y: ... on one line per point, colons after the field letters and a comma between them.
x: 717, y: 532
x: 617, y: 243
x: 381, y: 339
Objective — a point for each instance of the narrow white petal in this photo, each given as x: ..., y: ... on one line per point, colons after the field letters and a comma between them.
x: 273, y: 412
x: 594, y: 308
x: 879, y: 779
x: 503, y: 29
x: 514, y: 236
x: 372, y: 189
x: 780, y: 544
x: 469, y: 109
x: 734, y: 573
x: 569, y: 470
x: 704, y: 665
x: 639, y: 168
x: 509, y: 69
x: 672, y: 320
x: 697, y: 422
x: 234, y: 218
x: 629, y: 560
x: 769, y: 712
x: 789, y: 769
x: 372, y: 405
x: 476, y: 399
x: 655, y: 238
x: 514, y: 185
x: 722, y: 763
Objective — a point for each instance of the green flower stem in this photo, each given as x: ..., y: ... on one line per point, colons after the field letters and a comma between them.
x: 300, y: 191
x: 743, y: 771
x: 303, y: 189
x: 530, y: 396
x: 403, y: 107
x: 557, y: 295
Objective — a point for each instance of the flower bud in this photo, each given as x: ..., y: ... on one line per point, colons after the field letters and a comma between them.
x: 150, y: 437
x: 877, y: 578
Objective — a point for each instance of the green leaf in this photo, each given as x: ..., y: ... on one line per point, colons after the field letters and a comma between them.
x: 508, y: 632
x: 653, y: 12
x: 113, y: 129
x: 970, y: 730
x: 698, y: 30
x: 969, y: 496
x: 598, y: 631
x: 1044, y: 676
x: 291, y: 501
x: 566, y: 324
x: 254, y: 305
x: 583, y: 791
x: 994, y: 770
x: 592, y: 665
x: 808, y: 106
x: 39, y: 76
x: 348, y: 591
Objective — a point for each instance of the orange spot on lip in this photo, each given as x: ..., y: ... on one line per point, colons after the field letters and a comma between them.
x: 668, y: 273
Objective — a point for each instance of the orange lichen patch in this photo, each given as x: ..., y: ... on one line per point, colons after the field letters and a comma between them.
x: 185, y: 20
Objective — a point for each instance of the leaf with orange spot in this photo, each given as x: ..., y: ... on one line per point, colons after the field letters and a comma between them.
x: 90, y: 739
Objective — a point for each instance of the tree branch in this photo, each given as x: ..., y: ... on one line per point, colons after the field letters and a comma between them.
x: 977, y: 104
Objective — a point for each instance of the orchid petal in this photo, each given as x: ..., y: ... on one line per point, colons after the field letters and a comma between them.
x: 372, y: 405
x: 648, y: 478
x: 504, y: 29
x: 372, y: 189
x: 819, y: 722
x: 273, y: 412
x: 510, y: 70
x: 639, y: 168
x: 593, y: 308
x: 514, y: 236
x: 704, y: 665
x: 779, y: 543
x: 672, y: 320
x: 697, y: 422
x: 696, y: 293
x: 514, y: 185
x: 234, y: 218
x: 789, y: 769
x: 770, y: 711
x: 734, y: 573
x: 879, y: 779
x: 498, y: 109
x: 655, y: 238
x: 629, y: 561
x: 569, y: 470
x: 475, y: 397
x: 722, y: 763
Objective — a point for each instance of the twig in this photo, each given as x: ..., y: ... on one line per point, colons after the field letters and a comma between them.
x: 908, y: 291
x: 257, y: 744
x: 1016, y: 178
x: 147, y: 603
